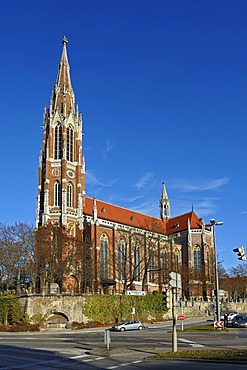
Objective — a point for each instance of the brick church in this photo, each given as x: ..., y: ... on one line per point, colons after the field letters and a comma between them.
x: 85, y: 245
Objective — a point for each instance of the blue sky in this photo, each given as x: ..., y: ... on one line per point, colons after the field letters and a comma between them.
x: 162, y: 86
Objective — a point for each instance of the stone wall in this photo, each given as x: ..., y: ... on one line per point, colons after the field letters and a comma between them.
x: 69, y: 307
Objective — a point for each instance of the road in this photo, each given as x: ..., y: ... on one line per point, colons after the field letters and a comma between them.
x: 85, y: 349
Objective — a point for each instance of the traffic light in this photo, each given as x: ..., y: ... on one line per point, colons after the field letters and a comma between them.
x: 241, y: 253
x: 166, y: 298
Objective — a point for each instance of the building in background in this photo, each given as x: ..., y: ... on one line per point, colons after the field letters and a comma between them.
x: 87, y: 245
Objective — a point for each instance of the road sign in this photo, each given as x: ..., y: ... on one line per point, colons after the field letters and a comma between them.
x: 136, y: 292
x: 181, y: 317
x: 218, y: 324
x: 175, y: 281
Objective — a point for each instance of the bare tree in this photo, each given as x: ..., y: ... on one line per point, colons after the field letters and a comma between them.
x: 58, y: 257
x: 16, y: 255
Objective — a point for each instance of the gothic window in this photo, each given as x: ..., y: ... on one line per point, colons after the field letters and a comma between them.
x: 197, y: 258
x: 137, y: 262
x: 176, y: 260
x: 58, y: 142
x: 70, y: 195
x: 151, y: 266
x: 57, y: 194
x: 70, y: 144
x: 208, y: 262
x: 164, y: 263
x: 104, y: 257
x: 121, y: 259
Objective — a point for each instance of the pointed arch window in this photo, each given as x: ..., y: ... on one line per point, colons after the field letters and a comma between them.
x: 208, y: 261
x: 70, y: 144
x: 151, y: 266
x: 58, y: 142
x: 176, y: 260
x: 164, y: 263
x: 121, y: 260
x: 137, y: 262
x: 70, y: 195
x: 57, y: 194
x: 104, y: 257
x: 197, y: 258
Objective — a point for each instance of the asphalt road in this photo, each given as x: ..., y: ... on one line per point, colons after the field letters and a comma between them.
x: 85, y: 349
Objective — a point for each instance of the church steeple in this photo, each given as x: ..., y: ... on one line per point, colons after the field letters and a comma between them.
x: 63, y: 98
x: 165, y: 213
x: 61, y: 190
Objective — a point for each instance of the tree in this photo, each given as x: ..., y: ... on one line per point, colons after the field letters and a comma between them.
x: 58, y: 257
x: 239, y: 270
x: 239, y: 275
x: 222, y: 272
x: 16, y: 256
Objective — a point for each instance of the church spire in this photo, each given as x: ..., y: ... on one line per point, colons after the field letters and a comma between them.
x: 63, y: 95
x: 61, y: 190
x: 164, y: 204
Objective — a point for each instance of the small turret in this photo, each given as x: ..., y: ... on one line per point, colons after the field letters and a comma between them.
x: 165, y: 213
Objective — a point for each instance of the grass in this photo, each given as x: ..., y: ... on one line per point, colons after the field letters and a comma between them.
x: 209, y: 327
x: 207, y: 354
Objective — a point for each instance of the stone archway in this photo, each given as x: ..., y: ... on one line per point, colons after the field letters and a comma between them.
x: 56, y: 320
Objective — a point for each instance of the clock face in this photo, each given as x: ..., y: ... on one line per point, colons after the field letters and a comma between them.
x: 70, y: 174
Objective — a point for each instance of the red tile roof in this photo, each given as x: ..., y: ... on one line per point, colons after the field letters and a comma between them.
x: 110, y: 212
x: 180, y: 223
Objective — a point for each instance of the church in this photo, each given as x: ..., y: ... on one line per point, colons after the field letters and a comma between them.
x: 85, y: 245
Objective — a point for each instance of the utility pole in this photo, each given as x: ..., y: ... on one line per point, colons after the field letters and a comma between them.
x: 174, y: 321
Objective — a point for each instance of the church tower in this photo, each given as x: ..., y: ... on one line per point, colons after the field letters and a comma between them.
x: 61, y: 173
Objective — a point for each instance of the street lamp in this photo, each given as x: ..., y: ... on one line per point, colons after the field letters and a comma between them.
x: 212, y: 224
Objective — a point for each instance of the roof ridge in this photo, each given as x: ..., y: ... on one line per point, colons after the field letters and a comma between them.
x: 126, y: 209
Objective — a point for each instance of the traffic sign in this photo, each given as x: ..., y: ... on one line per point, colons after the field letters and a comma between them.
x: 136, y: 292
x: 175, y: 281
x: 181, y: 317
x: 218, y: 324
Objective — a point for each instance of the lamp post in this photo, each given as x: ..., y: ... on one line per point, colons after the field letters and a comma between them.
x: 212, y: 224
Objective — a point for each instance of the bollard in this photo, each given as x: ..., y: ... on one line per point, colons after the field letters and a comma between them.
x: 107, y: 338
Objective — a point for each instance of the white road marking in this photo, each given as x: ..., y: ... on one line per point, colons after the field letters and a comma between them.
x: 192, y: 344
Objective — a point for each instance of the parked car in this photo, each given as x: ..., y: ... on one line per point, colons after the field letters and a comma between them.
x: 129, y: 325
x: 239, y: 321
x: 228, y: 316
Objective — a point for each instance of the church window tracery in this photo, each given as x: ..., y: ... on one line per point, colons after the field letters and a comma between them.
x: 70, y: 144
x: 197, y: 257
x: 58, y: 142
x: 104, y: 256
x: 70, y: 195
x: 57, y: 193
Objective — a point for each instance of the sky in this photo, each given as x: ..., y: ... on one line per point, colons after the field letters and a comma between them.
x: 162, y: 86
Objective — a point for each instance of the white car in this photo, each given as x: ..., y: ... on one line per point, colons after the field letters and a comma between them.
x: 129, y: 325
x: 230, y: 316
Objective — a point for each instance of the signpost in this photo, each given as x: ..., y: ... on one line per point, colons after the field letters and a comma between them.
x: 181, y: 318
x: 175, y: 283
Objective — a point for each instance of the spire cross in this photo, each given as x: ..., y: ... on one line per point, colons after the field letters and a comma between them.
x: 65, y: 40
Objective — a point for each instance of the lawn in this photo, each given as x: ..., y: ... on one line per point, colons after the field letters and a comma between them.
x: 207, y: 354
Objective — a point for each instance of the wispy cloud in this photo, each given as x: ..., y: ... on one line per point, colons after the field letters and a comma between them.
x: 215, y: 184
x: 93, y: 180
x: 133, y: 198
x: 149, y: 208
x: 109, y: 146
x: 144, y: 180
x: 202, y: 206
